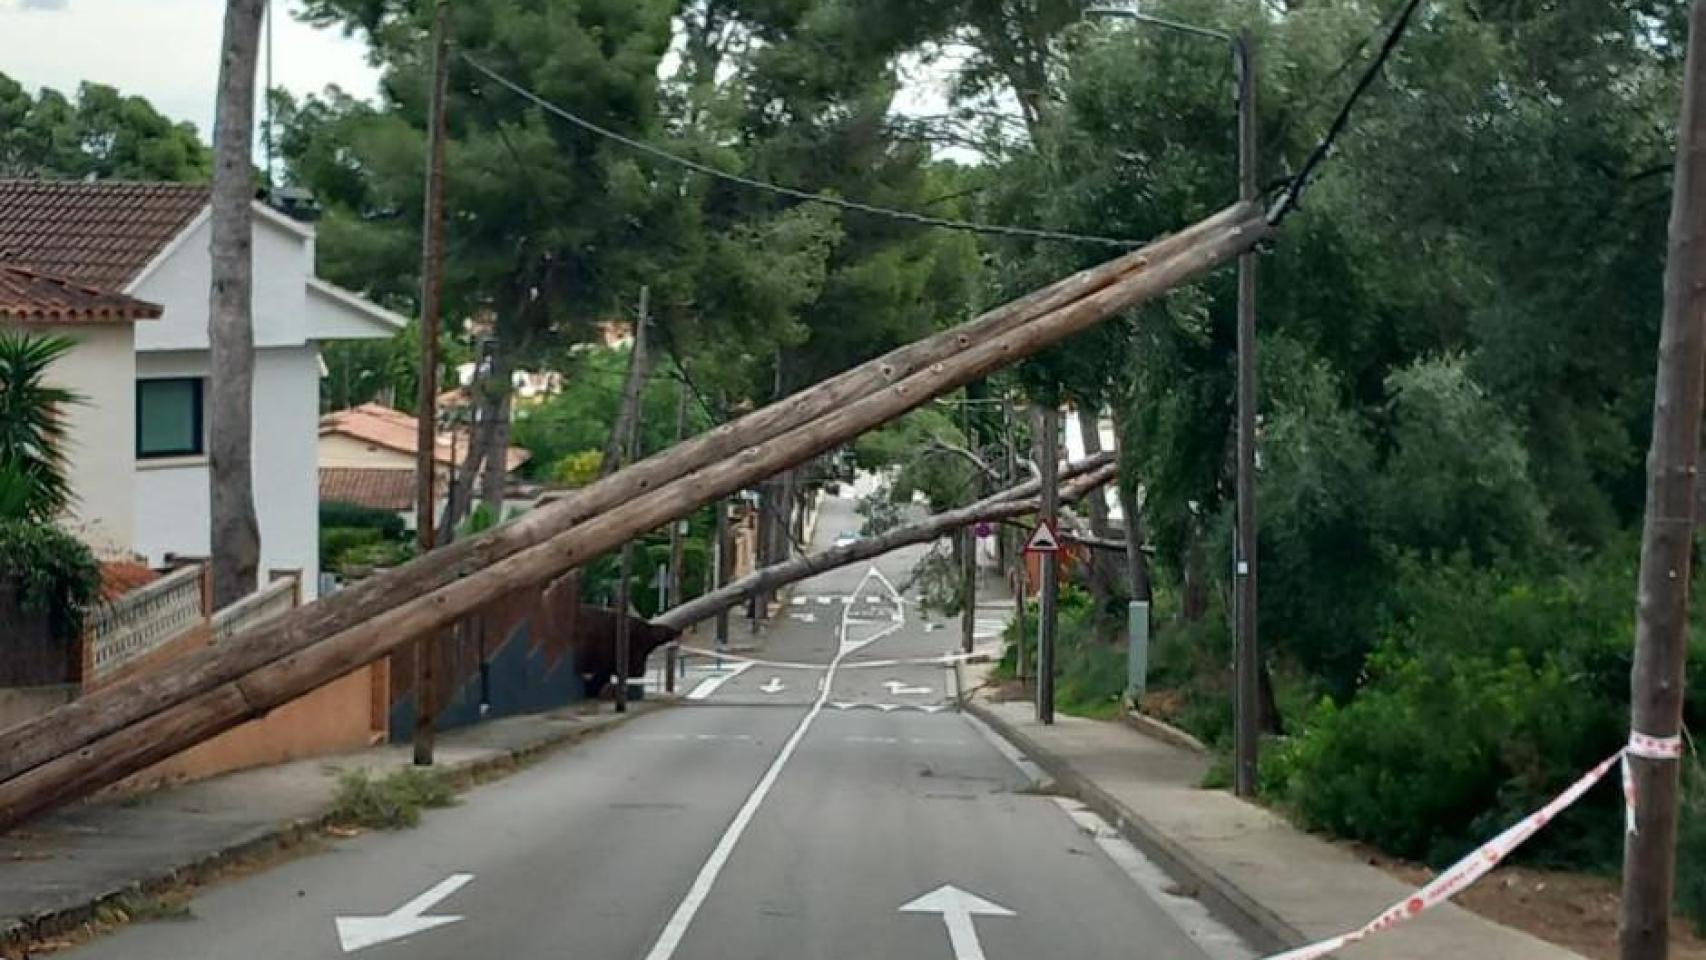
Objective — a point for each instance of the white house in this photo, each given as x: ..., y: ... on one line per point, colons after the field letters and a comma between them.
x: 139, y: 440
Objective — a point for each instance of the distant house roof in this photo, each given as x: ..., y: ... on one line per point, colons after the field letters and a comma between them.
x: 395, y: 430
x: 30, y: 297
x: 103, y: 232
x: 373, y: 487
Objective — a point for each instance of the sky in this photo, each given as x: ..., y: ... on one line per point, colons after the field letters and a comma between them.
x: 167, y: 51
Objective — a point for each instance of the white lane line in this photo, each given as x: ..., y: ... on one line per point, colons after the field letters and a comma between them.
x: 670, y: 939
x: 1187, y: 913
x: 1031, y: 771
x: 709, y: 685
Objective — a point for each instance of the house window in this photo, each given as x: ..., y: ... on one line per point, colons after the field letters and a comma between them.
x: 169, y: 418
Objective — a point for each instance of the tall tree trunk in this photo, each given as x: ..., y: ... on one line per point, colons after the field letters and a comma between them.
x: 459, y: 498
x: 1103, y: 570
x: 496, y: 479
x: 641, y: 360
x: 236, y: 539
x: 1137, y: 562
x: 1194, y: 602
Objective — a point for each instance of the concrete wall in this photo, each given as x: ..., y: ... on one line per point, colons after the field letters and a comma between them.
x: 172, y: 494
x: 337, y: 717
x: 101, y: 431
x: 517, y: 656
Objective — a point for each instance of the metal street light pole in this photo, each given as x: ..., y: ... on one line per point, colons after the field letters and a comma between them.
x: 1246, y: 657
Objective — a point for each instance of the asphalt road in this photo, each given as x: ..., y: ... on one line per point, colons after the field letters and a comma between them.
x: 791, y: 811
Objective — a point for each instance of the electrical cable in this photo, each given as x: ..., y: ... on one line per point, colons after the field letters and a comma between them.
x: 807, y: 196
x: 1288, y: 201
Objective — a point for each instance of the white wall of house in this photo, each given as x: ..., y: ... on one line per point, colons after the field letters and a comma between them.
x: 100, y: 431
x: 1075, y: 451
x: 182, y: 275
x: 341, y: 450
x: 172, y: 493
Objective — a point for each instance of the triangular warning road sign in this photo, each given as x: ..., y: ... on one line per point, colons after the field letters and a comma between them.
x: 1043, y: 540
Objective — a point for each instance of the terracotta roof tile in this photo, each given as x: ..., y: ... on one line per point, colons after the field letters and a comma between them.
x: 101, y: 232
x: 395, y: 430
x: 368, y: 487
x: 119, y: 577
x: 30, y: 297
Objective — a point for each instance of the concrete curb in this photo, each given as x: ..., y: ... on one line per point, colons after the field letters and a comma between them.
x: 20, y: 934
x: 1258, y: 925
x: 1163, y: 731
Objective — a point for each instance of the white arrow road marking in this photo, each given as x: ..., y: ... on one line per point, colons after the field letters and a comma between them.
x: 803, y: 617
x: 957, y: 908
x: 898, y: 688
x: 354, y: 933
x: 709, y: 685
x: 774, y: 685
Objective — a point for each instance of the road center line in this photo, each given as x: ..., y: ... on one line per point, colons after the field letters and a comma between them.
x: 670, y: 939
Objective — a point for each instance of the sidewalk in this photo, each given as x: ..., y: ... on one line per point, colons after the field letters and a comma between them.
x: 56, y: 872
x: 1276, y: 885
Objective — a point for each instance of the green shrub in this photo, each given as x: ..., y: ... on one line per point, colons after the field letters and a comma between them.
x: 375, y: 555
x: 1493, y: 692
x: 391, y: 802
x: 337, y: 541
x: 336, y: 514
x: 1691, y: 847
x: 52, y: 571
x: 577, y: 469
x: 1193, y: 661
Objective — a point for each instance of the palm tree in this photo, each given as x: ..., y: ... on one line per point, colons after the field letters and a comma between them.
x: 34, y: 484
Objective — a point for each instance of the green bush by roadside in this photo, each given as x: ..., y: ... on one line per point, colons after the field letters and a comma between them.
x: 391, y: 802
x: 337, y: 514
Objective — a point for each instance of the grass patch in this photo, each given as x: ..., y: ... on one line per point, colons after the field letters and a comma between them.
x: 144, y: 908
x: 391, y: 802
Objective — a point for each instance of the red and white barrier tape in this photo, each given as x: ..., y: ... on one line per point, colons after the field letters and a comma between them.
x: 1646, y: 747
x: 1483, y: 859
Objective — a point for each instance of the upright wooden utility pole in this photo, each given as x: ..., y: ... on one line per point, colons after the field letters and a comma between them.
x: 677, y: 545
x: 968, y: 550
x: 627, y: 443
x: 1015, y: 557
x: 1661, y: 625
x: 721, y: 563
x: 1248, y: 658
x: 1048, y: 459
x: 426, y: 437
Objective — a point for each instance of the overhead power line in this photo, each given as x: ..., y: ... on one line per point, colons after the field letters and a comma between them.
x: 1294, y: 191
x: 779, y: 190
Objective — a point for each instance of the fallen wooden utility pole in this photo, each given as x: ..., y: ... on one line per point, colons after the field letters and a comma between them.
x: 83, y: 746
x: 88, y: 718
x: 1667, y: 540
x: 1087, y: 476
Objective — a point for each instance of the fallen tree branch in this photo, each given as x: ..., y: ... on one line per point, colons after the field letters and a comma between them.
x: 1001, y: 506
